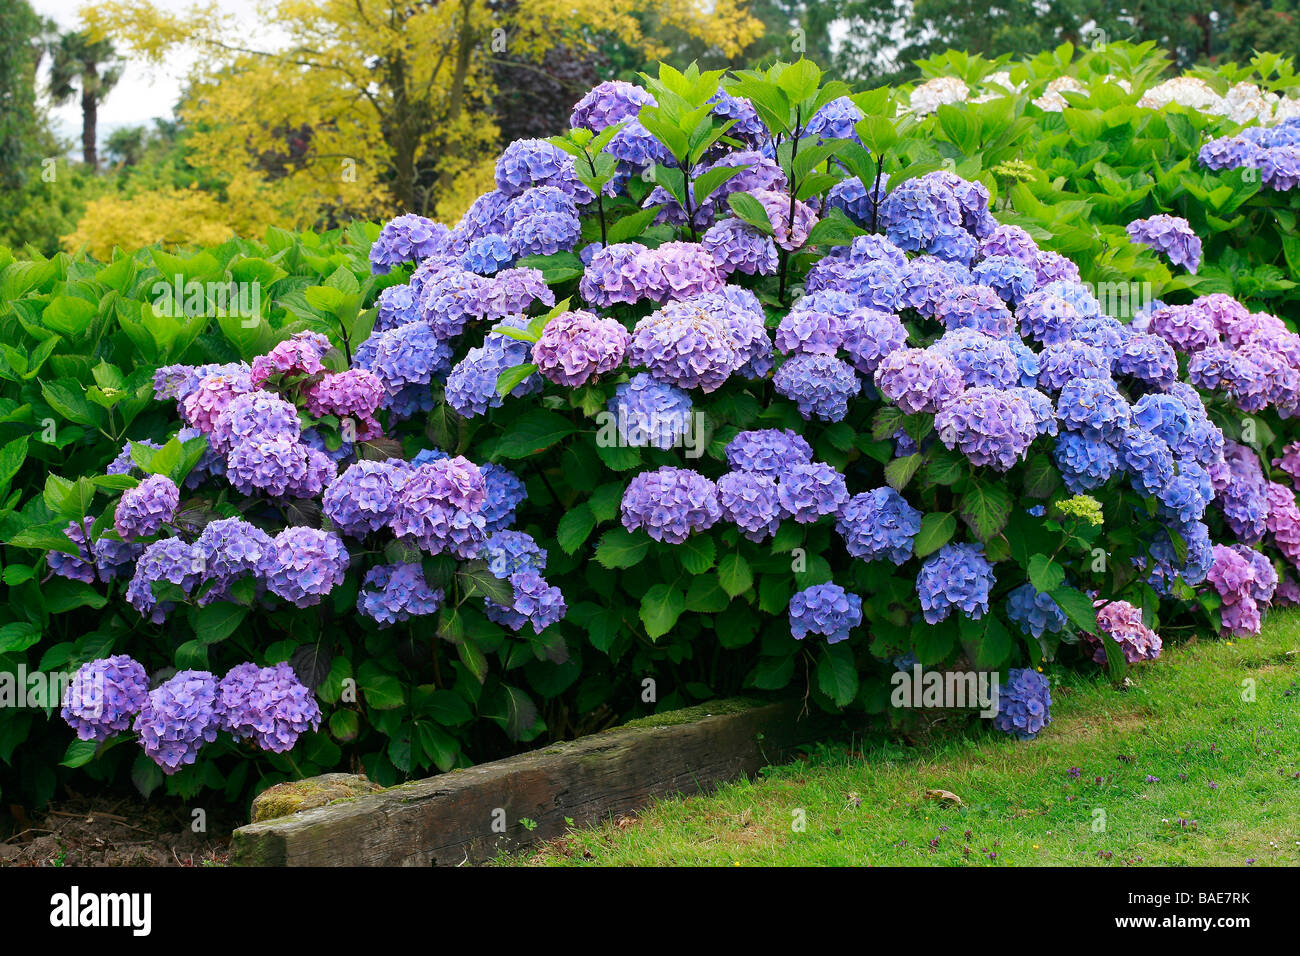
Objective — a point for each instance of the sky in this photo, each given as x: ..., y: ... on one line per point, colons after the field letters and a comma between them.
x: 144, y: 93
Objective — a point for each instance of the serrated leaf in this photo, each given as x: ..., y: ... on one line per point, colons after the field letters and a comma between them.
x: 620, y: 548
x: 937, y: 529
x: 575, y: 527
x: 734, y: 575
x: 661, y: 606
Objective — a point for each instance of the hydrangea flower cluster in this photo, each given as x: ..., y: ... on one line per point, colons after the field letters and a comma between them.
x: 1170, y: 235
x: 1024, y: 703
x: 1121, y: 622
x: 824, y: 609
x: 104, y: 696
x: 1273, y: 151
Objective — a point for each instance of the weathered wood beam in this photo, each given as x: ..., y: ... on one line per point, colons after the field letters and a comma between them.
x: 472, y: 815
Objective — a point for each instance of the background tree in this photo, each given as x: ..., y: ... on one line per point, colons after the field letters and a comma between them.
x: 20, y: 54
x: 80, y: 65
x: 374, y: 106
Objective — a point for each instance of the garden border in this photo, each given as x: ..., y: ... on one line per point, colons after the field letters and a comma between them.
x: 447, y: 820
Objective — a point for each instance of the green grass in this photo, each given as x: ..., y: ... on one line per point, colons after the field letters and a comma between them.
x: 1228, y: 787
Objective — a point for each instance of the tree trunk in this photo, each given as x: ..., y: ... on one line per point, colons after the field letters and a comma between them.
x: 89, y: 115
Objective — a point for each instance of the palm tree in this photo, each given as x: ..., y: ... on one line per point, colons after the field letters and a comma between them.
x: 91, y: 68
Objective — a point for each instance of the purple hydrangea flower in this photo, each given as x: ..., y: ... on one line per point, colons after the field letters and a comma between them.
x: 807, y: 491
x: 992, y: 427
x: 362, y: 498
x: 750, y: 501
x: 1170, y: 235
x: 981, y: 359
x: 178, y: 717
x: 577, y: 346
x: 608, y: 104
x: 1094, y: 407
x: 103, y: 697
x: 738, y: 247
x: 408, y: 238
x: 1121, y: 622
x: 254, y: 416
x: 267, y: 705
x: 670, y: 504
x: 918, y: 380
x: 687, y: 344
x: 227, y: 550
x: 526, y: 163
x: 170, y: 560
x: 768, y: 451
x: 440, y: 507
x: 298, y: 355
x: 868, y: 336
x: 535, y: 602
x: 145, y: 509
x: 974, y: 307
x: 302, y: 565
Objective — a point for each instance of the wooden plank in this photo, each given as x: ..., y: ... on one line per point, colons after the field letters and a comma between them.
x: 471, y: 815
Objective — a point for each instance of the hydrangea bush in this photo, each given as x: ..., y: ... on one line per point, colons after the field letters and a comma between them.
x: 715, y: 392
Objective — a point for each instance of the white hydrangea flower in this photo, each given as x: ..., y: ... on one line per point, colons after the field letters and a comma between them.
x: 1188, y: 91
x: 1052, y: 101
x: 1246, y: 102
x: 932, y: 94
x: 1287, y: 107
x: 998, y: 84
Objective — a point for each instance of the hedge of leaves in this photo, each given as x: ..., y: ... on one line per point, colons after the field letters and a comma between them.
x: 728, y: 388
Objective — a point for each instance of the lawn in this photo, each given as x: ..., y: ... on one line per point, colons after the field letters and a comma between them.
x: 1197, y: 761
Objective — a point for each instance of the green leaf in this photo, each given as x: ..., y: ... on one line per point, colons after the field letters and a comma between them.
x: 985, y: 508
x: 381, y: 691
x: 477, y: 580
x: 12, y: 456
x: 837, y: 673
x: 575, y: 527
x: 630, y: 227
x: 661, y: 606
x: 1077, y: 607
x: 18, y: 636
x: 561, y: 267
x: 217, y: 621
x: 620, y: 548
x: 900, y: 471
x: 79, y: 753
x: 510, y: 379
x: 937, y: 529
x: 1045, y: 574
x: 734, y: 575
x: 534, y: 431
x: 705, y: 595
x: 751, y: 211
x: 696, y: 553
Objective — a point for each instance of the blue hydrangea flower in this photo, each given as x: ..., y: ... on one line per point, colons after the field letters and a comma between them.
x: 821, y: 385
x: 878, y: 524
x: 1024, y: 703
x: 509, y: 552
x: 807, y: 491
x: 1035, y: 612
x: 957, y: 576
x: 647, y: 412
x: 824, y: 609
x: 397, y: 592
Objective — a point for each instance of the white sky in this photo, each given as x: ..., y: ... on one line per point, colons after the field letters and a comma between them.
x: 144, y: 93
